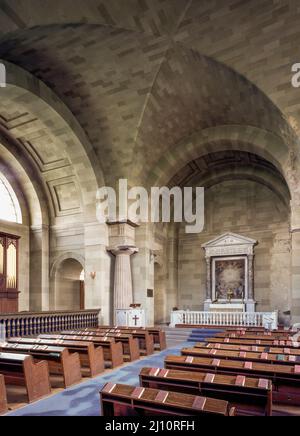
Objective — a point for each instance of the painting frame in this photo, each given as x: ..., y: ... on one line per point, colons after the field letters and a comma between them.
x: 230, y: 259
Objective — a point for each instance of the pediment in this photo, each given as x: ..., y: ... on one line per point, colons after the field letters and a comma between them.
x: 229, y: 239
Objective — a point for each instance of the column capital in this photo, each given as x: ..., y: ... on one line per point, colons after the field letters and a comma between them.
x: 118, y: 250
x: 121, y: 233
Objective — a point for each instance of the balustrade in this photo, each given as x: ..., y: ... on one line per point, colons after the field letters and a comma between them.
x: 240, y: 319
x: 31, y: 323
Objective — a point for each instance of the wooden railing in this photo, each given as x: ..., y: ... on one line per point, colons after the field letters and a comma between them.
x: 246, y: 319
x: 35, y: 323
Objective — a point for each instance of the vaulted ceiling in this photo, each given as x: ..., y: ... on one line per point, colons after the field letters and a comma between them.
x: 142, y: 75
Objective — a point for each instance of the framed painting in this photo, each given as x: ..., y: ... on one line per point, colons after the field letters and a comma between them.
x: 230, y: 278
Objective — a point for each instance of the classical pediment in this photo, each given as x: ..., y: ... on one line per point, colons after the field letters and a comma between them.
x: 229, y: 239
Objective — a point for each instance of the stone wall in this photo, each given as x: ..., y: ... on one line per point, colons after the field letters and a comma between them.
x: 252, y: 210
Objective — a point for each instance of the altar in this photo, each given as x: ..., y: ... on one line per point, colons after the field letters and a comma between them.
x: 227, y: 307
x: 230, y: 274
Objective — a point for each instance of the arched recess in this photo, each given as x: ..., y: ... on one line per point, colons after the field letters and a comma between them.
x: 241, y: 178
x: 33, y: 232
x: 65, y: 277
x: 68, y: 285
x: 222, y: 138
x: 36, y: 105
x: 25, y: 180
x: 49, y: 145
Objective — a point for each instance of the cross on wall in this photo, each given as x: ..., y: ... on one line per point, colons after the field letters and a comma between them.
x: 135, y: 319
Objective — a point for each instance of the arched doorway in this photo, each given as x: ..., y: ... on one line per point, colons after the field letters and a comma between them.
x: 69, y: 285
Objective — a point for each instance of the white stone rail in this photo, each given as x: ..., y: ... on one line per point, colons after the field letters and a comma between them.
x: 268, y: 320
x: 33, y: 323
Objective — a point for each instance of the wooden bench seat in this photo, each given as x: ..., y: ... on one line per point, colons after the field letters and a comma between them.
x: 60, y: 361
x: 255, y: 348
x: 254, y: 337
x: 124, y: 400
x: 146, y: 340
x: 280, y: 359
x: 158, y: 334
x: 261, y: 331
x: 241, y: 341
x: 3, y: 397
x: 112, y: 350
x: 91, y: 358
x: 285, y: 378
x: 250, y: 396
x: 21, y: 370
x: 131, y: 351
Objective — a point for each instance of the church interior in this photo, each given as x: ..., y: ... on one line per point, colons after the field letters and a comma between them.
x: 132, y: 317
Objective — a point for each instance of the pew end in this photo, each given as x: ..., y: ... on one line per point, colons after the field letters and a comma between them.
x: 37, y: 379
x: 96, y: 359
x: 116, y: 354
x: 3, y: 396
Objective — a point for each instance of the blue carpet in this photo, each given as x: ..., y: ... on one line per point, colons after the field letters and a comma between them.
x: 199, y: 335
x: 83, y: 399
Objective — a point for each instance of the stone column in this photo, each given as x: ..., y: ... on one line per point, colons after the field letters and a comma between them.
x: 123, y: 291
x: 208, y: 300
x: 39, y: 268
x: 250, y: 277
x: 250, y: 303
x: 122, y: 245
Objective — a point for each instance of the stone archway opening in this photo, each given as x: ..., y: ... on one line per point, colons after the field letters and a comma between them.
x: 245, y: 194
x: 69, y: 285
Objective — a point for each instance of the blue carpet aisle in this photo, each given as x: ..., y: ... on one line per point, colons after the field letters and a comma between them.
x: 83, y: 399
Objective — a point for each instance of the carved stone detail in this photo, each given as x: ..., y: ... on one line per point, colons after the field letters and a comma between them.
x: 230, y: 244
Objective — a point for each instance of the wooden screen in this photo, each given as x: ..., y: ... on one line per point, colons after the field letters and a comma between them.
x: 9, y: 293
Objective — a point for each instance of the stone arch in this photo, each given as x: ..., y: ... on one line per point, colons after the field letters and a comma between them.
x: 240, y: 138
x: 45, y: 107
x: 64, y: 271
x: 264, y: 178
x: 273, y: 177
x: 30, y: 190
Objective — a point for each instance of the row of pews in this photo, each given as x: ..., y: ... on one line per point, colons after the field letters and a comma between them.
x: 31, y: 362
x: 238, y: 372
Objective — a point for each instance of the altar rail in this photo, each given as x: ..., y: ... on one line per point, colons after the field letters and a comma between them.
x: 268, y: 320
x: 35, y: 323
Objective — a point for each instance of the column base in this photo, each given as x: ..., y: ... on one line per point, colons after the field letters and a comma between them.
x: 251, y: 306
x: 207, y: 304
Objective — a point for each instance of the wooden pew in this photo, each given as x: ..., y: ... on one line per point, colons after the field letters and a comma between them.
x: 3, y: 397
x: 255, y: 348
x: 20, y: 369
x: 232, y: 341
x: 113, y: 351
x: 250, y: 396
x: 253, y: 337
x: 286, y: 379
x: 261, y: 331
x: 90, y: 357
x: 60, y: 361
x: 158, y: 334
x: 146, y: 341
x: 124, y: 400
x: 250, y: 356
x: 131, y: 351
